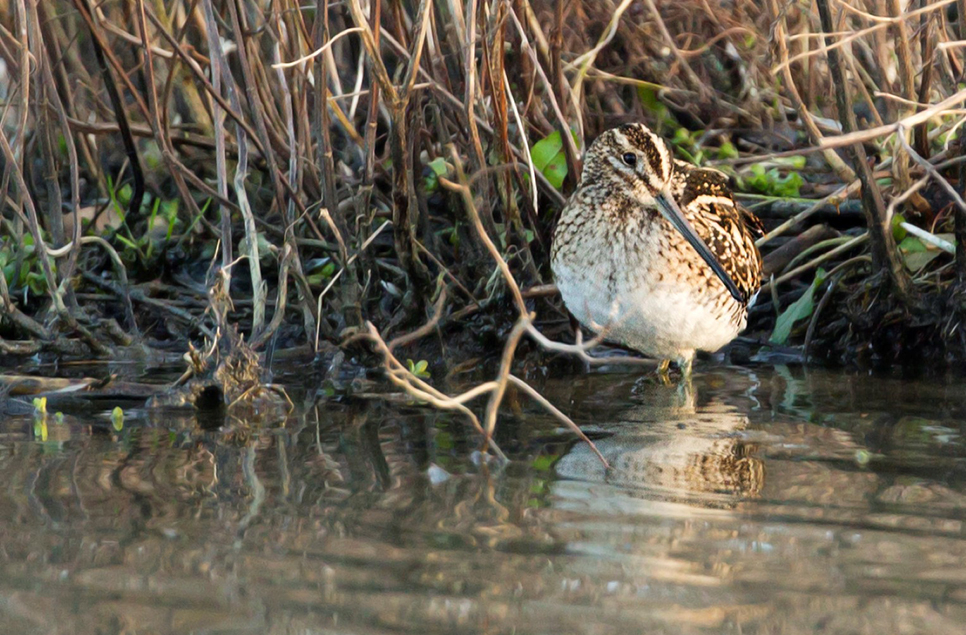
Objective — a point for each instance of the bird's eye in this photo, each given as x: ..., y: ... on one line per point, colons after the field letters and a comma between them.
x: 630, y: 159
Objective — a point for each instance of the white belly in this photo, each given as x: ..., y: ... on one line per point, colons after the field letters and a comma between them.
x: 667, y: 320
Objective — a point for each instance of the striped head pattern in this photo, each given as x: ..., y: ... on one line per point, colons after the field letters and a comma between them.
x: 633, y: 154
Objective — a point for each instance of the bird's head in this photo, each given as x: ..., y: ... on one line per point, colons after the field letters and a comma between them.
x: 635, y: 161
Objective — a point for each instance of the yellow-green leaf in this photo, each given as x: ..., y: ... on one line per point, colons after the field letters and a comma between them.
x: 549, y: 157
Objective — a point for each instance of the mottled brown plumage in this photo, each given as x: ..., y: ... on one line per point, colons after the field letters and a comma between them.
x: 655, y: 252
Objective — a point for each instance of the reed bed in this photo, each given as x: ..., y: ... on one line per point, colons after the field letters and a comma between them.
x: 358, y: 171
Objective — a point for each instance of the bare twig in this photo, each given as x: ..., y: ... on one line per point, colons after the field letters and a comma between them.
x: 884, y: 252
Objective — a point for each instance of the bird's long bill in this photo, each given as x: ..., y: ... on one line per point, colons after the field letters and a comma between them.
x: 670, y: 210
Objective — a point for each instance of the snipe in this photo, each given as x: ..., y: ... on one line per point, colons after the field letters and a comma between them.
x: 655, y: 252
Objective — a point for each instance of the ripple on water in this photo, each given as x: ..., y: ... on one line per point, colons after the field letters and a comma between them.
x: 765, y: 501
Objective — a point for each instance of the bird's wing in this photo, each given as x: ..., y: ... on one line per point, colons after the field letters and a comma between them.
x: 728, y: 229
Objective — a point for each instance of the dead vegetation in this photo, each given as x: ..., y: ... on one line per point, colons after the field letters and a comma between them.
x: 352, y: 170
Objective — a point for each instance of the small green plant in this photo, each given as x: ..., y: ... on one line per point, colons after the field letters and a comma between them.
x: 40, y: 406
x: 162, y: 221
x: 40, y: 418
x: 29, y: 279
x: 664, y: 120
x: 40, y: 429
x: 771, y: 182
x: 319, y: 270
x: 686, y: 143
x: 917, y: 253
x: 418, y: 368
x: 438, y: 167
x: 550, y: 159
x: 727, y: 150
x: 451, y: 234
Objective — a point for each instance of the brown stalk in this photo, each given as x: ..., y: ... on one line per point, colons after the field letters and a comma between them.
x: 884, y: 253
x: 907, y: 77
x: 350, y: 290
x: 103, y: 54
x: 521, y: 326
x: 549, y: 190
x: 365, y: 209
x: 405, y: 203
x: 927, y: 50
x: 67, y: 271
x: 853, y: 137
x: 469, y: 65
x: 843, y: 171
x: 218, y: 129
x: 177, y: 168
x: 254, y: 103
x: 13, y: 160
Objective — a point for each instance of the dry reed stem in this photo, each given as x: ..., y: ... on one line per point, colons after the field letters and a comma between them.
x: 930, y: 170
x: 311, y: 111
x: 843, y: 171
x: 884, y: 252
x: 859, y: 136
x: 884, y: 23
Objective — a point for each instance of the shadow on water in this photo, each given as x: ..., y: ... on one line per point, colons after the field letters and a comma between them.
x: 767, y: 501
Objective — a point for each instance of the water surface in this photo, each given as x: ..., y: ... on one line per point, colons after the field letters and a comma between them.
x: 773, y: 500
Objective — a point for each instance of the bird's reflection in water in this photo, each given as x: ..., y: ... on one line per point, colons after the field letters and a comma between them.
x: 680, y: 442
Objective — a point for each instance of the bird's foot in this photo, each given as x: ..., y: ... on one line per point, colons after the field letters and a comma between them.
x: 665, y: 375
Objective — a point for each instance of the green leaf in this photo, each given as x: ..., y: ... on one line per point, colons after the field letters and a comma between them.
x: 916, y: 254
x: 798, y: 310
x: 36, y: 283
x: 912, y: 245
x: 439, y: 168
x: 771, y: 182
x: 727, y: 151
x: 124, y: 194
x: 682, y: 137
x: 169, y: 209
x: 127, y: 243
x: 898, y: 231
x: 549, y: 157
x: 40, y: 428
x: 320, y: 274
x: 648, y: 97
x: 544, y: 462
x: 652, y: 104
x: 418, y: 368
x: 117, y: 418
x: 264, y: 246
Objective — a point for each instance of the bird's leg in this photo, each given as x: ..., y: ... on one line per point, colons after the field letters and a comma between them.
x: 684, y: 363
x: 662, y: 372
x: 579, y: 339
